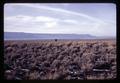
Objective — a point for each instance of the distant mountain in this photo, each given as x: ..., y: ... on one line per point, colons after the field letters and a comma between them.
x: 34, y: 36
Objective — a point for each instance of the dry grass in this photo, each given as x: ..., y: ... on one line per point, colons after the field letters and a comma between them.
x: 72, y: 59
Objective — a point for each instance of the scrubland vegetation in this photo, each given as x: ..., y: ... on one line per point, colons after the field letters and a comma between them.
x: 70, y: 59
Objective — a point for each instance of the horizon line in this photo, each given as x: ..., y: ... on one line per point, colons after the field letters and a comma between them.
x: 60, y: 33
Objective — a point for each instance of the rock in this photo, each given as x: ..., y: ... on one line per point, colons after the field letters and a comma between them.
x: 17, y: 78
x: 25, y: 70
x: 8, y: 71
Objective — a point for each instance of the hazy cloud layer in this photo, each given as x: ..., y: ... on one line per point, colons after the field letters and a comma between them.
x: 59, y: 18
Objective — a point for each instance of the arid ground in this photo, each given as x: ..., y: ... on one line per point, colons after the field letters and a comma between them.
x: 60, y: 59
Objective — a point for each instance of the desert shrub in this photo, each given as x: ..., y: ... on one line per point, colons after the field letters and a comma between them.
x: 56, y: 63
x: 56, y: 40
x: 23, y: 45
x: 34, y: 76
x: 9, y: 49
x: 60, y: 60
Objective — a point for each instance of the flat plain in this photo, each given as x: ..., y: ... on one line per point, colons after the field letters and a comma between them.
x: 60, y: 59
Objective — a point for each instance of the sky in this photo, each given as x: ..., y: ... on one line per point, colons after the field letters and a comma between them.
x: 97, y: 19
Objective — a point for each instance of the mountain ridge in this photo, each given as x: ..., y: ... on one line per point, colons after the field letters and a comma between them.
x: 40, y: 36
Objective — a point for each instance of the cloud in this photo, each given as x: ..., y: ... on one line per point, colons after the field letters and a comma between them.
x: 50, y: 24
x: 18, y: 18
x: 62, y: 11
x: 45, y: 19
x: 45, y: 24
x: 75, y: 22
x: 70, y: 21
